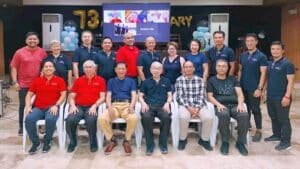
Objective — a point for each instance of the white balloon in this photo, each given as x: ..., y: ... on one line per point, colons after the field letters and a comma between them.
x: 207, y: 35
x: 67, y: 40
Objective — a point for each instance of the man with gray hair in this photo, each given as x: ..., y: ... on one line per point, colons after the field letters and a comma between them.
x: 190, y: 97
x: 155, y: 97
x: 87, y: 93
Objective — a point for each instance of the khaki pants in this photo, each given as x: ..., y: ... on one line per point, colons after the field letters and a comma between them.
x: 121, y: 111
x: 206, y: 118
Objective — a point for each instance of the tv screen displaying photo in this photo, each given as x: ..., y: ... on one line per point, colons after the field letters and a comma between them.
x: 140, y: 19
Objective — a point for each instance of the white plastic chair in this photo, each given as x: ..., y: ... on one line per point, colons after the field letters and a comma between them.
x: 59, y: 127
x: 81, y: 122
x: 138, y: 130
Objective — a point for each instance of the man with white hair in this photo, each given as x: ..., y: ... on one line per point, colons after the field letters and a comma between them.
x: 155, y: 97
x: 87, y: 93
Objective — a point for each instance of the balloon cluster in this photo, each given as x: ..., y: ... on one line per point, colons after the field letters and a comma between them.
x: 69, y: 36
x: 203, y: 35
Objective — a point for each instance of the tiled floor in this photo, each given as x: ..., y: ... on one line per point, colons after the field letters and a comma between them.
x: 261, y: 155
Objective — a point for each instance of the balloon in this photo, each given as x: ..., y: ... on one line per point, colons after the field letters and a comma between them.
x: 75, y: 40
x: 94, y: 21
x: 76, y: 34
x: 72, y: 35
x: 82, y: 15
x: 202, y: 29
x: 64, y: 34
x: 207, y: 35
x: 62, y: 45
x: 72, y: 29
x: 67, y: 40
x: 195, y: 34
x: 72, y: 46
x: 200, y: 34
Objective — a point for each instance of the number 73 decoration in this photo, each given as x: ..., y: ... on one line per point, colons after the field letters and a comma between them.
x: 93, y: 16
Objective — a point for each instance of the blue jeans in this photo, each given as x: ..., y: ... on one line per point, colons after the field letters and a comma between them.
x: 30, y: 124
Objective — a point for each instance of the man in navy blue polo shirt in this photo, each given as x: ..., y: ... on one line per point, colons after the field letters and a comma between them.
x: 63, y: 66
x: 281, y: 74
x: 146, y: 58
x: 220, y: 51
x: 155, y: 97
x: 106, y: 60
x: 83, y: 53
x: 252, y: 76
x: 120, y: 102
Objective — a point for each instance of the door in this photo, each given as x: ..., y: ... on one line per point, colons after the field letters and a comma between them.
x: 2, y: 69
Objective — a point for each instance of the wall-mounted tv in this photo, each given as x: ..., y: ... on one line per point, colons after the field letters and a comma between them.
x: 140, y: 19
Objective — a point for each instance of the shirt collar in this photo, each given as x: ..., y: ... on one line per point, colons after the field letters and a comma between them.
x: 216, y: 49
x: 254, y: 53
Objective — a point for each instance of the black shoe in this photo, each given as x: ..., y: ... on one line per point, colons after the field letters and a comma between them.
x: 71, y: 148
x: 20, y: 132
x: 94, y: 148
x: 257, y: 136
x: 34, y: 148
x: 242, y: 149
x: 205, y: 144
x: 182, y: 143
x: 46, y: 148
x: 224, y: 148
x: 149, y: 151
x: 272, y: 138
x: 163, y: 150
x: 283, y: 146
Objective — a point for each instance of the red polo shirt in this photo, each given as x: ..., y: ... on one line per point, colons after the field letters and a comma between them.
x: 27, y: 62
x: 88, y: 92
x: 129, y: 55
x: 47, y: 92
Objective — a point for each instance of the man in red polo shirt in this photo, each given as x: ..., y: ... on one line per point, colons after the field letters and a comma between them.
x: 129, y: 55
x: 50, y: 92
x: 87, y: 94
x: 25, y: 66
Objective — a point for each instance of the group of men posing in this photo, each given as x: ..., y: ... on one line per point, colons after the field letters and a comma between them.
x: 106, y: 77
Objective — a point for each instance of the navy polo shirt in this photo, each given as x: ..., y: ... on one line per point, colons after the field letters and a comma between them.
x: 251, y: 64
x: 106, y: 64
x: 121, y: 89
x: 62, y: 65
x: 213, y: 54
x: 82, y: 54
x: 156, y: 94
x: 198, y: 61
x: 277, y: 78
x: 145, y: 60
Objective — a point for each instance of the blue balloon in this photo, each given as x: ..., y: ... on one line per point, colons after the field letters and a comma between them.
x: 200, y: 34
x: 195, y: 34
x: 75, y: 40
x: 72, y: 29
x: 72, y: 46
x: 202, y: 29
x: 63, y: 34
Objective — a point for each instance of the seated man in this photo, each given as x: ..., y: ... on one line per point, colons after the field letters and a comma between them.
x: 50, y: 92
x: 190, y: 97
x: 87, y: 93
x: 155, y: 97
x: 120, y: 102
x: 226, y: 94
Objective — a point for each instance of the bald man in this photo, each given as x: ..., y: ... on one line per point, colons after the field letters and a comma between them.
x: 155, y: 97
x: 146, y: 58
x: 128, y: 54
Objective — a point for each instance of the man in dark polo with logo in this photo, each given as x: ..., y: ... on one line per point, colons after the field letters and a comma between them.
x: 155, y: 97
x: 146, y: 58
x: 83, y: 53
x: 87, y: 93
x: 281, y: 75
x: 106, y: 59
x: 220, y: 51
x: 252, y: 76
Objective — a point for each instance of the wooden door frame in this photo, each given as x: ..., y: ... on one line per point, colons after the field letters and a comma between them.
x: 2, y: 59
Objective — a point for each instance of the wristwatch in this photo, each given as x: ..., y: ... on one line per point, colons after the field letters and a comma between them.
x: 13, y: 82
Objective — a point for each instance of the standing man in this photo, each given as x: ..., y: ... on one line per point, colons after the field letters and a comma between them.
x: 190, y: 94
x: 87, y: 93
x: 129, y: 55
x: 106, y: 60
x: 83, y: 53
x: 146, y: 58
x: 120, y: 102
x: 252, y: 76
x: 220, y: 51
x: 25, y: 66
x: 226, y: 94
x: 281, y: 74
x: 156, y: 97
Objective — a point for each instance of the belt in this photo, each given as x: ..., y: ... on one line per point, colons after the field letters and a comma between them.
x: 121, y: 100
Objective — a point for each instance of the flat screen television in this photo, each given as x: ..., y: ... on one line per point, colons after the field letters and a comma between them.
x: 149, y: 19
